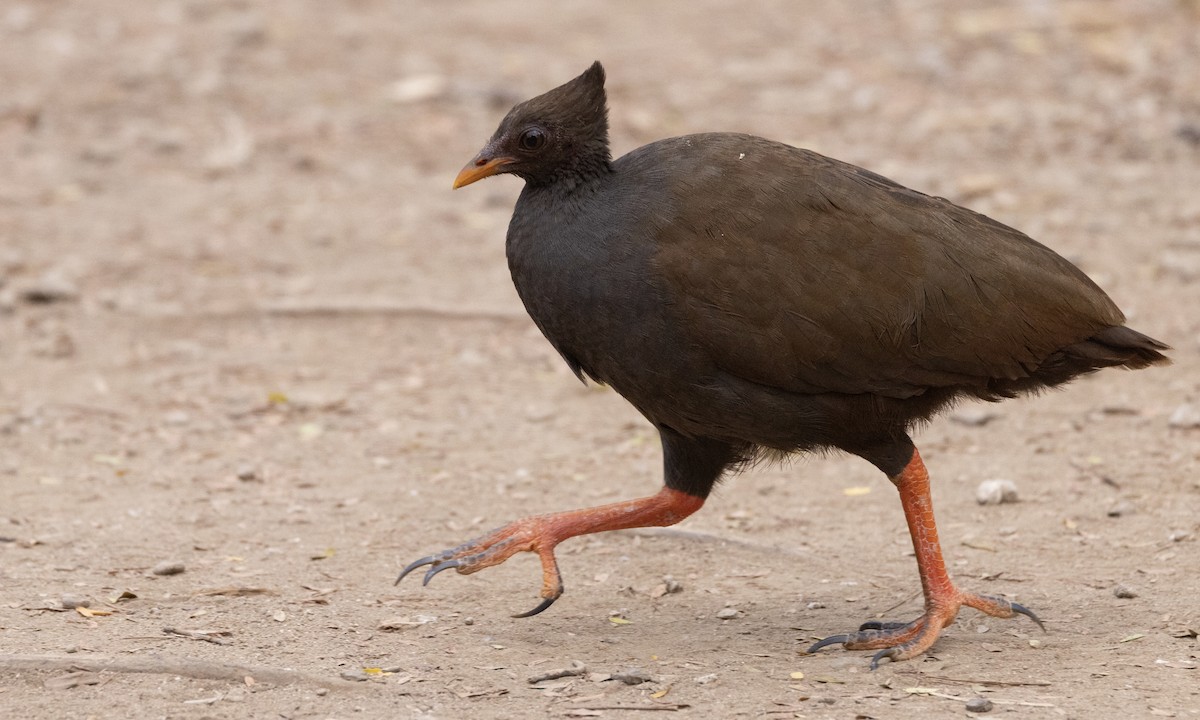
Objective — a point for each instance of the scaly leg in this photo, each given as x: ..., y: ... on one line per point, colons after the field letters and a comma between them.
x: 902, y: 641
x: 540, y: 533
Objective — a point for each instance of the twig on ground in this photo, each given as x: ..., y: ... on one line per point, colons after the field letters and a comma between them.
x: 905, y: 601
x: 197, y: 635
x: 160, y: 664
x: 667, y: 708
x: 707, y: 537
x: 965, y: 681
x: 577, y: 668
x: 947, y: 696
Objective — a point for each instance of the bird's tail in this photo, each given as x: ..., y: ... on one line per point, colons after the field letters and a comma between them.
x: 1118, y: 346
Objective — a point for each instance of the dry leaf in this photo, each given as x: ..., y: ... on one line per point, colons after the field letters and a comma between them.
x: 858, y: 490
x: 797, y: 675
x: 619, y: 621
x: 89, y: 612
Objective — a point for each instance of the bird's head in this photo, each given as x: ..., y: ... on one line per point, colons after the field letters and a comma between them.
x: 560, y: 134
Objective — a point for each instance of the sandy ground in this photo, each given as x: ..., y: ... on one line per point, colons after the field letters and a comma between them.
x: 246, y: 327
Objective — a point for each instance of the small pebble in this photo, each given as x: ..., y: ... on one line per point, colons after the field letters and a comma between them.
x: 706, y: 679
x: 322, y: 692
x: 816, y: 605
x: 1035, y: 643
x: 1189, y: 132
x: 1123, y: 591
x: 355, y: 675
x: 246, y: 473
x: 1121, y: 509
x: 996, y: 492
x: 168, y: 567
x: 50, y: 288
x: 668, y: 586
x: 1186, y: 416
x: 979, y: 705
x: 468, y: 620
x: 727, y: 613
x: 632, y: 676
x: 70, y: 602
x: 418, y: 88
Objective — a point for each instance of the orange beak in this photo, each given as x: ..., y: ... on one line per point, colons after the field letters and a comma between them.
x: 479, y: 168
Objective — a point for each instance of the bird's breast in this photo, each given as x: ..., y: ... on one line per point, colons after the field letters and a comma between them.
x: 590, y: 291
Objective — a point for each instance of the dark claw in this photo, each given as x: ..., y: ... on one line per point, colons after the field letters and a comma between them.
x: 877, y: 625
x: 1017, y: 608
x: 427, y: 560
x: 443, y: 565
x: 541, y: 606
x: 831, y: 640
x: 889, y: 653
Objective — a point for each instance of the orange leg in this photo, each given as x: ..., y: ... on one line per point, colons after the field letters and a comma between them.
x: 902, y: 641
x: 541, y: 533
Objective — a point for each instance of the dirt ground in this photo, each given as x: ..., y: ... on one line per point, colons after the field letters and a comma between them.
x: 246, y: 327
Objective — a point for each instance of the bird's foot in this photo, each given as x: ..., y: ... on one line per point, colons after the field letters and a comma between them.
x: 525, y: 535
x: 901, y: 641
x: 541, y: 533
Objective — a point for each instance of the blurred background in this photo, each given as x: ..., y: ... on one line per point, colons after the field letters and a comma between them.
x: 188, y: 154
x: 246, y: 325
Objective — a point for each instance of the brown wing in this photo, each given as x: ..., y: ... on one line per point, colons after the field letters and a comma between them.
x: 811, y: 275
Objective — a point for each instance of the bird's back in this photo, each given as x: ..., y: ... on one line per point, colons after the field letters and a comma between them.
x: 811, y: 275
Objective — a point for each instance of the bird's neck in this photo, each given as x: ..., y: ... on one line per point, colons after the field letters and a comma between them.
x: 588, y: 167
x: 582, y: 176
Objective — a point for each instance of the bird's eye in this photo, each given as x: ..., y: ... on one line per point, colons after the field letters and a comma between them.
x: 532, y: 139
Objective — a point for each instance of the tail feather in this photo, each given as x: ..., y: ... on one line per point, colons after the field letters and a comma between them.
x: 1116, y: 346
x: 1121, y: 346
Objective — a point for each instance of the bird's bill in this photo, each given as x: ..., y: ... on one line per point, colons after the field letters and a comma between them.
x: 479, y: 168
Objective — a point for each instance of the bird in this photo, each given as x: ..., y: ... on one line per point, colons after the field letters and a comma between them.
x: 753, y: 300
